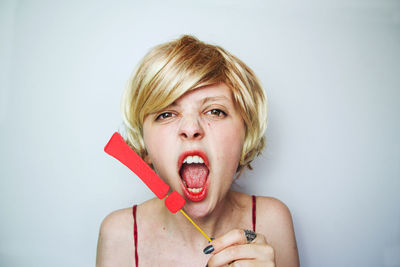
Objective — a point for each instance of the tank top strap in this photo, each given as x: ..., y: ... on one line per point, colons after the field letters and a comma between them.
x: 135, y: 234
x: 254, y: 210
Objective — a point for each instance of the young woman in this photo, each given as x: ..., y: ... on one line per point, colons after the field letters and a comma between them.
x: 197, y: 114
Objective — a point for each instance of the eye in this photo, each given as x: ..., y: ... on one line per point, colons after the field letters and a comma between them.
x: 217, y: 112
x: 164, y: 116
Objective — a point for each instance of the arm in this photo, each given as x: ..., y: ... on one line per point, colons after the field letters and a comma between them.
x: 275, y: 222
x: 115, y: 242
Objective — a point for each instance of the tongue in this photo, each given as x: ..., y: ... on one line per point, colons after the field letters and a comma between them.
x: 195, y: 175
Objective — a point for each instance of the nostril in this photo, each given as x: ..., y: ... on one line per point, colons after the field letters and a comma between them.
x: 187, y: 135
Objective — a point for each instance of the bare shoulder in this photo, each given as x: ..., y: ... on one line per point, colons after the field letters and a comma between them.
x: 273, y: 217
x: 116, y: 224
x: 273, y: 211
x: 115, y: 239
x: 274, y: 221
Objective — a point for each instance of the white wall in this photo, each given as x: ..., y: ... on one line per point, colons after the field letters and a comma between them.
x: 330, y: 69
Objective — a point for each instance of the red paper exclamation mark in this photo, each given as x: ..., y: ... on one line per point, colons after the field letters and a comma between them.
x: 120, y: 150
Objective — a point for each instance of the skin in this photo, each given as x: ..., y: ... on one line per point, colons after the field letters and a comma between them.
x: 165, y: 239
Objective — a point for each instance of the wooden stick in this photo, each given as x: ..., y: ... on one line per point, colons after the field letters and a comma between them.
x: 195, y: 225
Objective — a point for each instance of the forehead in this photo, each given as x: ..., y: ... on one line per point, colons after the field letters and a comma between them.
x: 210, y: 93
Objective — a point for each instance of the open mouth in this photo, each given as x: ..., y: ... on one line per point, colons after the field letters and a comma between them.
x: 194, y: 170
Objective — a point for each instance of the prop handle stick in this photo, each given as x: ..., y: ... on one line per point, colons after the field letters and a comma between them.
x: 120, y: 150
x: 195, y: 225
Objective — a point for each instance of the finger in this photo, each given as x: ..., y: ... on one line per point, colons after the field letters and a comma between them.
x: 260, y: 239
x: 233, y: 237
x: 251, y: 263
x: 242, y: 252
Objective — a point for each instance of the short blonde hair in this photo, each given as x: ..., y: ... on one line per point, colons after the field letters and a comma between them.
x: 171, y: 69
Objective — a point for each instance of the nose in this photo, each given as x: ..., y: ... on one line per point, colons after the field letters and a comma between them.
x: 190, y: 129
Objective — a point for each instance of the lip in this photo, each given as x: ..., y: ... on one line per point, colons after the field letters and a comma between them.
x: 195, y: 197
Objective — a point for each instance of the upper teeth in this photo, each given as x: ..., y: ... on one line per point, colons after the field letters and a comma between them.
x: 193, y: 159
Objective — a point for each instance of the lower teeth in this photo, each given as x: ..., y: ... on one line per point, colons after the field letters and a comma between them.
x: 195, y: 190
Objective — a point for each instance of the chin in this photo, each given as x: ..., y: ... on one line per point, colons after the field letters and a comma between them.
x: 199, y: 210
x: 196, y: 213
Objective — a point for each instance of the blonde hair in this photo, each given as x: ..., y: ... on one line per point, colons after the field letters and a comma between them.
x: 171, y: 69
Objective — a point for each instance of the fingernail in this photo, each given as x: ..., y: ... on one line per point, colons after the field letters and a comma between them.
x: 208, y: 249
x: 212, y: 238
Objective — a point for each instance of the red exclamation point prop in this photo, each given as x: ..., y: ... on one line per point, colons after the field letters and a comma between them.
x: 174, y: 202
x: 120, y: 150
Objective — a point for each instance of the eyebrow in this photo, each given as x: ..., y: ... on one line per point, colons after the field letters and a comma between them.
x: 214, y: 98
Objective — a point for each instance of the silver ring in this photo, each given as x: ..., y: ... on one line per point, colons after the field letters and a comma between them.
x: 250, y: 235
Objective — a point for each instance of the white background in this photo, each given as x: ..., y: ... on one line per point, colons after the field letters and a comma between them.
x: 330, y: 70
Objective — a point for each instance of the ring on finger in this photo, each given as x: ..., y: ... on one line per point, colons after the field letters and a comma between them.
x: 250, y: 235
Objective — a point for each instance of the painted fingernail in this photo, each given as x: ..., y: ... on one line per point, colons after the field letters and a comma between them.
x: 212, y: 238
x: 208, y: 249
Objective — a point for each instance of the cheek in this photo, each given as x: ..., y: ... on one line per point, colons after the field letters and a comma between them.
x: 151, y: 141
x: 229, y: 141
x: 157, y: 143
x: 155, y: 138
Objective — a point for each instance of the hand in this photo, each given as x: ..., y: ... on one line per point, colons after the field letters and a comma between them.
x: 232, y: 249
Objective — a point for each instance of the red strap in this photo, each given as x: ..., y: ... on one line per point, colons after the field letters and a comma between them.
x: 135, y: 234
x: 254, y: 212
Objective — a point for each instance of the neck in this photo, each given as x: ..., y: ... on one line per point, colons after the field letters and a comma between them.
x: 213, y: 224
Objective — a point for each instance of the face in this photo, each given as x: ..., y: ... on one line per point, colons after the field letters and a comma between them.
x: 195, y: 145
